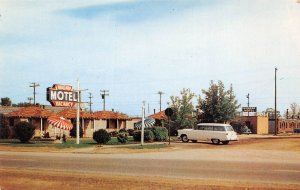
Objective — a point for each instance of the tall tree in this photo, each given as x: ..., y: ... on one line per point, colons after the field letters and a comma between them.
x: 218, y: 104
x: 294, y: 110
x: 183, y: 109
x: 5, y: 101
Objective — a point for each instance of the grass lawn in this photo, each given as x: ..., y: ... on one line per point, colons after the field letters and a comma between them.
x: 71, y: 143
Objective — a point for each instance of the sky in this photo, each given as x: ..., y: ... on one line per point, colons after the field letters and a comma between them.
x: 136, y: 48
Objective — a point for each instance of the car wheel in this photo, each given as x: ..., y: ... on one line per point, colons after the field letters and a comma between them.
x: 184, y: 138
x: 225, y: 142
x: 215, y: 141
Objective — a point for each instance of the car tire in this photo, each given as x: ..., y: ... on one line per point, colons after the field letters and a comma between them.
x: 184, y: 138
x: 215, y: 141
x: 225, y: 142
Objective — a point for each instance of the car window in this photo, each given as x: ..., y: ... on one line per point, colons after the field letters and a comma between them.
x: 219, y: 128
x: 229, y: 128
x: 201, y: 127
x: 209, y: 128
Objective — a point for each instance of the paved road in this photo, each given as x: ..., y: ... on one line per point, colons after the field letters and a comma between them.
x: 269, y: 167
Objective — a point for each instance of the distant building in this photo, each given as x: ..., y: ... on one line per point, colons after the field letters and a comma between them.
x: 257, y: 124
x: 284, y: 125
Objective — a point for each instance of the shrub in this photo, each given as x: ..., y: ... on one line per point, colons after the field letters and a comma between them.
x: 122, y: 130
x: 101, y: 136
x: 137, y: 135
x: 122, y: 138
x: 130, y: 132
x: 73, y: 132
x: 113, y: 133
x: 4, y: 129
x: 148, y: 136
x: 160, y: 133
x: 4, y: 132
x: 24, y: 131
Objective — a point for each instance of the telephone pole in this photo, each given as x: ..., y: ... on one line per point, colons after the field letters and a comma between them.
x: 275, y: 132
x: 103, y: 94
x: 90, y: 97
x: 34, y: 85
x: 160, y: 93
x: 248, y: 96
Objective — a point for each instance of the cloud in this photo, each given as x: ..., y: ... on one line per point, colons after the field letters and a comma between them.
x: 134, y: 11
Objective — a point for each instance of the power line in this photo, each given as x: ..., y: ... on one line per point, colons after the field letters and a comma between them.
x: 34, y: 85
x: 103, y: 94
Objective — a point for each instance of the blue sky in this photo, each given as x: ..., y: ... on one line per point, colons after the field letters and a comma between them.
x: 136, y: 48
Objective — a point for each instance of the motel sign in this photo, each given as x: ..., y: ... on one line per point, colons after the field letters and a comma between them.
x: 62, y: 95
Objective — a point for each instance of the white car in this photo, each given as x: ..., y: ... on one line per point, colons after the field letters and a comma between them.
x: 214, y: 132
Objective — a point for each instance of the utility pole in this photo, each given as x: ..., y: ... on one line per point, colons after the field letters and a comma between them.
x: 90, y: 97
x: 248, y: 96
x: 78, y: 111
x: 30, y: 99
x: 275, y: 133
x: 143, y: 123
x: 160, y: 93
x: 34, y: 85
x: 103, y: 94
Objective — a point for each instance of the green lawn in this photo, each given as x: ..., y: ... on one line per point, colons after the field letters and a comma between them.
x: 71, y: 143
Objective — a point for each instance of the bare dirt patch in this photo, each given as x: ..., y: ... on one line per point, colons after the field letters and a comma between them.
x: 31, y: 180
x: 282, y: 143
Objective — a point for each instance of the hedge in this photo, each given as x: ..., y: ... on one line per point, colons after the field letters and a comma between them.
x: 148, y: 135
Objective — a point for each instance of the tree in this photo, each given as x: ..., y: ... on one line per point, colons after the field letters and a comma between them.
x: 24, y: 131
x: 22, y: 104
x: 183, y: 109
x: 294, y: 110
x: 5, y: 101
x: 270, y: 112
x: 218, y: 104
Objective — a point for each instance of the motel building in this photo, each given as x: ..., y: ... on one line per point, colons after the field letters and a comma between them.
x: 33, y: 114
x: 89, y: 122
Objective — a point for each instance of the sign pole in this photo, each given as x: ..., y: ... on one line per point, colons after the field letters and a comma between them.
x: 169, y: 130
x: 77, y: 114
x: 169, y: 113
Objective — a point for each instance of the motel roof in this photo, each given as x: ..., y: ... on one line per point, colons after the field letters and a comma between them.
x: 7, y: 109
x: 72, y: 113
x: 159, y: 115
x: 30, y: 112
x: 110, y: 115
